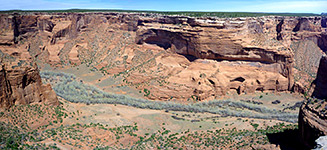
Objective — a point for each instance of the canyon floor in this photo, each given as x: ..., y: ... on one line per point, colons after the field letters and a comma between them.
x: 111, y: 126
x: 115, y: 126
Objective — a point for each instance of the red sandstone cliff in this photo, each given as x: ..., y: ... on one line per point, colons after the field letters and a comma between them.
x: 20, y: 83
x: 205, y: 57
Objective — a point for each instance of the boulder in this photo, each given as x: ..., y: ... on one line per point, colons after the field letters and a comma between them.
x: 321, y: 143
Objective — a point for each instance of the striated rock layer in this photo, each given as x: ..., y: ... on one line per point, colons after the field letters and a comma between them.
x: 313, y: 113
x: 313, y: 121
x: 174, y: 57
x: 20, y: 83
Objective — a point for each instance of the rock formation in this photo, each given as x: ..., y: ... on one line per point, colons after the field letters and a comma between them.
x: 313, y: 121
x: 20, y: 83
x: 174, y: 57
x: 313, y: 113
x: 320, y: 90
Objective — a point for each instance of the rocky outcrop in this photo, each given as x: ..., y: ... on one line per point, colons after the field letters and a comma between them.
x: 313, y: 113
x: 313, y: 121
x: 202, y: 57
x: 20, y: 83
x: 320, y: 90
x: 232, y: 44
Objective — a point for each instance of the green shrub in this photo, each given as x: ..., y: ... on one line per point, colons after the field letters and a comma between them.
x: 146, y: 92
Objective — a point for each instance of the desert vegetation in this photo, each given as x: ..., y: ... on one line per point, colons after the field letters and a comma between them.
x: 211, y: 139
x: 319, y: 105
x: 42, y: 127
x: 48, y: 127
x: 22, y: 124
x: 68, y: 87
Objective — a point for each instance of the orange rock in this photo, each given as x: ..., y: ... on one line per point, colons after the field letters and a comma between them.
x: 23, y: 85
x: 172, y: 56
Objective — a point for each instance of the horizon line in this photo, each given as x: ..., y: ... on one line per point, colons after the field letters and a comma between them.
x: 148, y: 10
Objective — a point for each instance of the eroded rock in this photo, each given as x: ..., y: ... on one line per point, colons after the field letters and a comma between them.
x: 313, y: 113
x: 174, y: 57
x: 312, y: 121
x: 20, y: 83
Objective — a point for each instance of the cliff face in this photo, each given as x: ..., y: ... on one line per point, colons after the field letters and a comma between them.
x: 321, y: 80
x: 231, y: 40
x: 313, y: 121
x: 313, y: 113
x: 20, y: 83
x: 172, y: 56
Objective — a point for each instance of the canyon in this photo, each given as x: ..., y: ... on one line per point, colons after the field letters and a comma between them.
x: 169, y: 58
x: 174, y: 57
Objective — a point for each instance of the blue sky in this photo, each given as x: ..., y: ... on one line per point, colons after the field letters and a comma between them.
x: 296, y: 6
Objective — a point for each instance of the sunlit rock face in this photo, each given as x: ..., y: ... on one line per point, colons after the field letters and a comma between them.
x: 20, y: 83
x: 175, y: 57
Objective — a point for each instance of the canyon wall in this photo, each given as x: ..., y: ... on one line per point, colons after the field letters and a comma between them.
x: 20, y: 83
x: 320, y: 90
x: 312, y: 121
x: 175, y: 57
x: 313, y: 113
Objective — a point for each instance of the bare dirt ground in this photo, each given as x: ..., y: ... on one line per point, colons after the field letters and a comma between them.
x: 111, y: 126
x: 152, y: 120
x: 114, y: 126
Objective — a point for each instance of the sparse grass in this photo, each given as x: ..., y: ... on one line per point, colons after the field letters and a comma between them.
x: 20, y: 135
x: 99, y: 136
x: 210, y: 139
x: 17, y: 131
x: 66, y: 86
x: 24, y: 123
x: 316, y: 105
